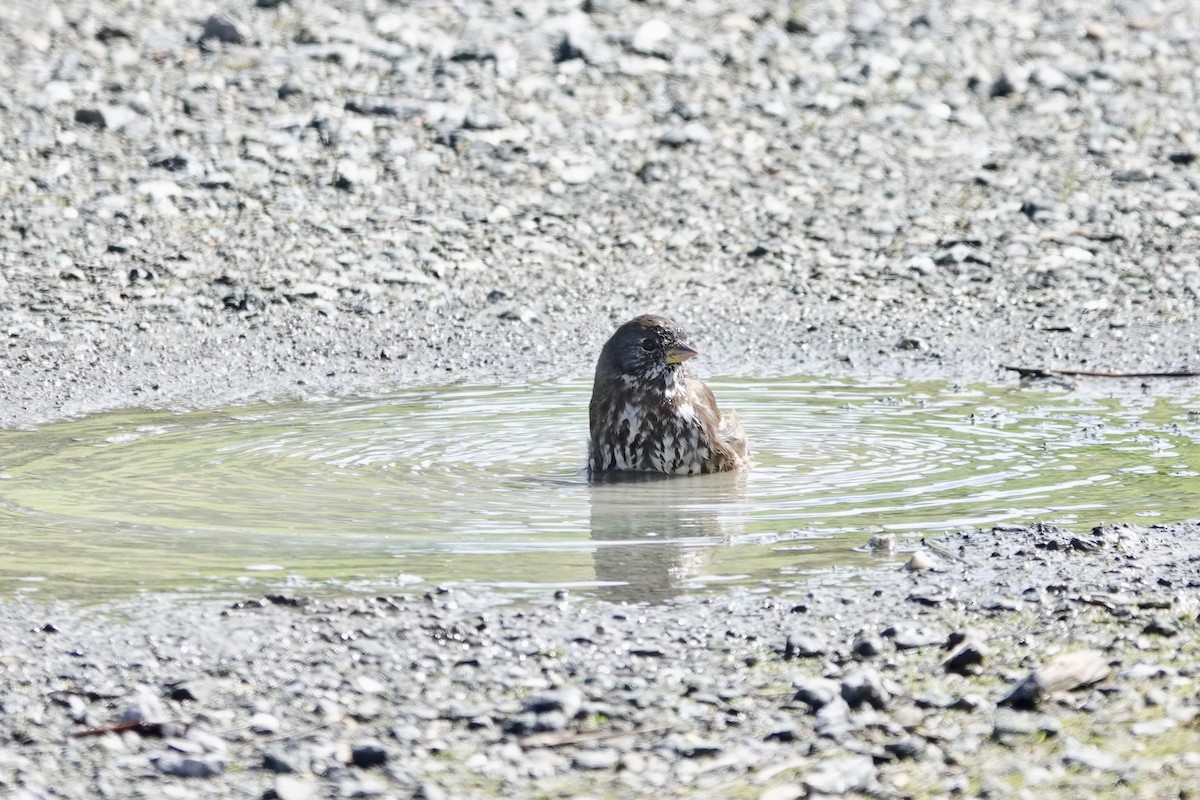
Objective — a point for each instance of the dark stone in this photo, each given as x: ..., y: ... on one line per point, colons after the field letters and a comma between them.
x: 566, y: 50
x: 786, y: 733
x: 189, y: 766
x: 368, y: 755
x: 170, y: 163
x: 816, y: 693
x: 905, y: 749
x: 866, y: 646
x: 803, y: 646
x: 928, y: 597
x: 106, y: 33
x: 967, y: 658
x: 1026, y: 695
x: 1002, y: 87
x: 281, y: 763
x: 90, y: 116
x: 864, y: 687
x: 1160, y: 626
x: 222, y: 29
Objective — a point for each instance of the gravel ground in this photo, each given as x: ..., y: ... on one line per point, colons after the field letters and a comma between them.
x: 203, y: 205
x: 1016, y: 663
x: 288, y: 198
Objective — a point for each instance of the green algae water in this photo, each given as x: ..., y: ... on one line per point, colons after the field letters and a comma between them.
x: 485, y: 486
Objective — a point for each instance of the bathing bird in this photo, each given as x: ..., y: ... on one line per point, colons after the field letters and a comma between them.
x: 649, y: 414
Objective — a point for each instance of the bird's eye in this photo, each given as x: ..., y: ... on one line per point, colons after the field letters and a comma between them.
x: 648, y: 344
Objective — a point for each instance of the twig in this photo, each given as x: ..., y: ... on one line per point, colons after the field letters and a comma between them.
x: 1045, y: 372
x: 558, y: 740
x: 144, y: 728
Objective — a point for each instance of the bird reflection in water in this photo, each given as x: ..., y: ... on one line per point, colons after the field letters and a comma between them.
x: 653, y: 532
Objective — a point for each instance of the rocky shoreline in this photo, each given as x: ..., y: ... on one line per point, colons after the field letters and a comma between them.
x: 300, y: 199
x: 1014, y: 662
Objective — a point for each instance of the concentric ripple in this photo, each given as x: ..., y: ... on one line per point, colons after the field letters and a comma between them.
x: 486, y: 485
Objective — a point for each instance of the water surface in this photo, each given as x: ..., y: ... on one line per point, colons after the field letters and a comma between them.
x: 484, y: 485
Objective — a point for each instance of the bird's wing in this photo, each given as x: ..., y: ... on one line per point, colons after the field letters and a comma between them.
x: 733, y: 434
x: 726, y: 430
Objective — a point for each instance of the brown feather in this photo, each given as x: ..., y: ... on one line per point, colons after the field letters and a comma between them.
x: 649, y: 415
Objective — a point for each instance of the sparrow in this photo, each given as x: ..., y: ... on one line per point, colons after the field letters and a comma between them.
x: 648, y: 414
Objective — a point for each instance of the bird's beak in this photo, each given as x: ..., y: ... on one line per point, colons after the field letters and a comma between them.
x: 680, y: 353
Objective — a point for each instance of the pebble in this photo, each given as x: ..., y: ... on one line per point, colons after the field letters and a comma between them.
x: 222, y: 29
x: 921, y: 561
x: 289, y: 788
x: 604, y: 758
x: 864, y: 687
x: 189, y: 766
x: 264, y: 723
x: 817, y: 692
x: 841, y: 776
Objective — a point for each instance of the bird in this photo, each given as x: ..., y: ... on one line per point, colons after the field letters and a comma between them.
x: 648, y: 414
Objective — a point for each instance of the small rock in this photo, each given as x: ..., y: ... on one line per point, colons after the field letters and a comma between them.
x: 909, y: 638
x: 1161, y: 626
x: 690, y: 745
x: 368, y: 755
x: 841, y: 776
x: 112, y: 118
x: 289, y: 788
x: 1063, y: 672
x: 651, y: 39
x: 802, y: 645
x: 816, y: 693
x: 692, y: 133
x: 521, y: 314
x: 783, y: 791
x: 1092, y: 758
x: 481, y: 118
x: 866, y: 646
x: 1153, y: 727
x: 921, y: 561
x: 603, y: 758
x: 264, y: 723
x: 909, y: 749
x: 882, y: 543
x: 144, y: 709
x: 352, y: 175
x: 864, y: 687
x: 575, y: 174
x: 566, y: 699
x: 928, y: 597
x: 189, y: 766
x: 222, y: 29
x: 910, y: 343
x: 1007, y: 722
x: 967, y: 658
x: 1003, y: 86
x: 281, y: 762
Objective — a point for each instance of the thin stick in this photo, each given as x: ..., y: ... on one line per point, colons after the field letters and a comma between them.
x: 120, y: 727
x: 557, y: 740
x: 1042, y: 372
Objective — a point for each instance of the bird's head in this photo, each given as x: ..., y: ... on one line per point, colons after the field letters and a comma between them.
x: 647, y: 347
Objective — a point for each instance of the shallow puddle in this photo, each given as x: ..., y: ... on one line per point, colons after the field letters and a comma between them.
x: 485, y: 486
